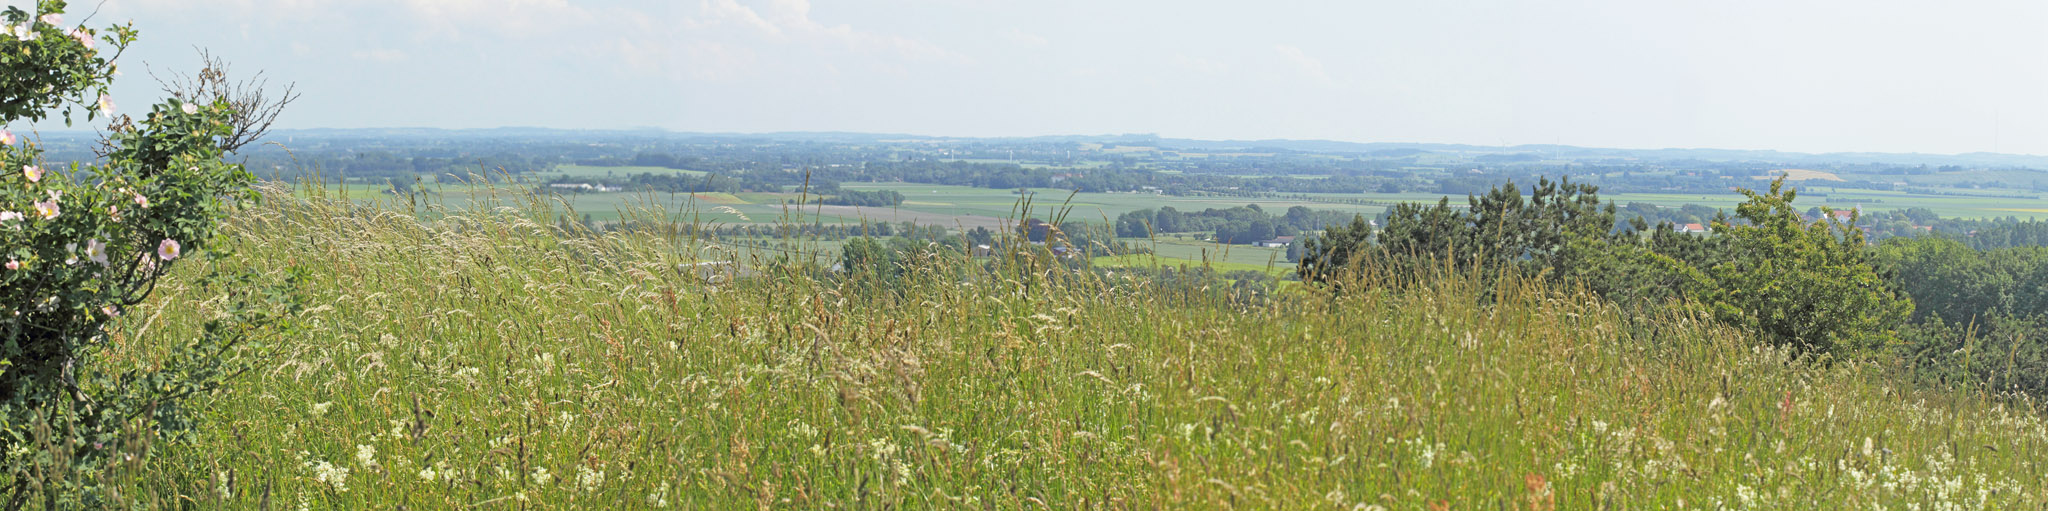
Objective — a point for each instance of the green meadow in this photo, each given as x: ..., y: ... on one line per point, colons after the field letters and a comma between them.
x: 480, y: 357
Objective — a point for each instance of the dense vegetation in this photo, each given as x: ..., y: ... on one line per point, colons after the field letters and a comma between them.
x: 482, y: 357
x: 1980, y: 315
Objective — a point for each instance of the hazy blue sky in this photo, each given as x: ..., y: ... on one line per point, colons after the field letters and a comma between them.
x: 1853, y: 75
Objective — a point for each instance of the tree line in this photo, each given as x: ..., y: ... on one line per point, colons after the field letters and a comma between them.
x: 1236, y: 225
x: 878, y: 198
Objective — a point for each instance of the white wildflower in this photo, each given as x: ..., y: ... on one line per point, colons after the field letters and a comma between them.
x: 329, y: 474
x: 221, y: 485
x: 366, y: 455
x: 589, y: 479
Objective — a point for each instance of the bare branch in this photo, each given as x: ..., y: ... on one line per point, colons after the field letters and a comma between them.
x: 255, y: 111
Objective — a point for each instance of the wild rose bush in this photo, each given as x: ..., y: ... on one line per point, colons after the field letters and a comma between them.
x: 81, y: 243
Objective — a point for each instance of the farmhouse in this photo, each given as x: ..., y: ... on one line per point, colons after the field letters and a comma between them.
x: 583, y: 187
x: 1275, y: 242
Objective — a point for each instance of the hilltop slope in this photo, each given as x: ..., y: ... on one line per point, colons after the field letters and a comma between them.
x: 484, y: 357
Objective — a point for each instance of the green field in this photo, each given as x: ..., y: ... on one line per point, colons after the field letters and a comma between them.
x: 1153, y: 260
x: 353, y: 191
x: 480, y: 360
x: 1095, y: 207
x: 968, y: 207
x: 1190, y: 247
x: 1089, y: 207
x: 963, y: 207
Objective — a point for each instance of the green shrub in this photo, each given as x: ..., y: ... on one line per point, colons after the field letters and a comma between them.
x: 85, y: 243
x: 1810, y: 285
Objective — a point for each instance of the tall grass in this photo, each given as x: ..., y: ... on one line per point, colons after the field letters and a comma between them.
x: 483, y: 357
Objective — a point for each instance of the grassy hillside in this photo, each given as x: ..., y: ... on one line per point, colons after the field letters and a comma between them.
x: 485, y: 360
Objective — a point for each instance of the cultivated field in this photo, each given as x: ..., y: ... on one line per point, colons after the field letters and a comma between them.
x: 861, y: 214
x: 963, y: 207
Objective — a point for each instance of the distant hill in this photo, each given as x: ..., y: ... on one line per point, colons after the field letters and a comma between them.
x: 1364, y: 149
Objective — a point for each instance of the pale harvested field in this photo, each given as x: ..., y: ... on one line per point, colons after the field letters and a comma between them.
x: 1802, y: 175
x: 856, y: 214
x: 718, y: 198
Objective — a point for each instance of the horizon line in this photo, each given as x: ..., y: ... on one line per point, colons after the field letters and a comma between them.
x: 74, y: 130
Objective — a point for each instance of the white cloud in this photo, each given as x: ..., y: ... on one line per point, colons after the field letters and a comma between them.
x: 730, y: 10
x: 792, y: 18
x: 510, y: 18
x: 1308, y: 65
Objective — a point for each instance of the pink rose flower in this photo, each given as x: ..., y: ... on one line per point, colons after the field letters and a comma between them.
x: 168, y: 250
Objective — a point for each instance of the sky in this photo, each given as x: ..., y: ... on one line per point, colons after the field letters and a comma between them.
x: 1795, y: 75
